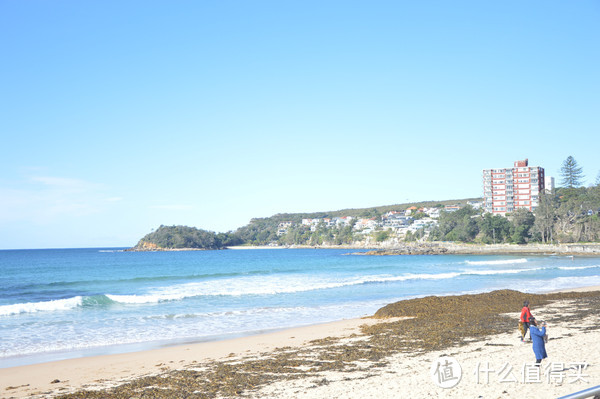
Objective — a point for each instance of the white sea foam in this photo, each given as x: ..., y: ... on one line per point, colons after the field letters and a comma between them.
x: 32, y: 307
x: 502, y: 271
x: 195, y: 326
x: 263, y: 286
x: 557, y: 283
x: 577, y: 267
x: 513, y: 271
x: 495, y: 262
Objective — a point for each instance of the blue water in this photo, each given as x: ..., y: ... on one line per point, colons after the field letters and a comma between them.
x: 64, y: 303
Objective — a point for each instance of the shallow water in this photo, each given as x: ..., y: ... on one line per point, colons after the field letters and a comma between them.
x: 63, y: 303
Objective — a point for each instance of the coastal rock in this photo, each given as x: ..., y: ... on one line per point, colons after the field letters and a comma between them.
x: 146, y: 246
x: 452, y: 248
x: 421, y: 249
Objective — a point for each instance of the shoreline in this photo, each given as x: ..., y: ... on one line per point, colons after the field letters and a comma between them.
x: 83, y: 372
x: 450, y: 248
x: 106, y: 371
x: 421, y: 248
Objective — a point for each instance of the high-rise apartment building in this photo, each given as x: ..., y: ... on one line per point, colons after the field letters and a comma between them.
x: 505, y: 190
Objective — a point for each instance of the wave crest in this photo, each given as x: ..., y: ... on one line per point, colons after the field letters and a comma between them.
x: 33, y: 307
x: 495, y: 262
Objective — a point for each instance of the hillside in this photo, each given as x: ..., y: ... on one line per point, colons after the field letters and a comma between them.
x: 183, y: 237
x: 262, y: 231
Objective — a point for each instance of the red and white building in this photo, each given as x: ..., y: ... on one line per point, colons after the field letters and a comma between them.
x: 505, y: 190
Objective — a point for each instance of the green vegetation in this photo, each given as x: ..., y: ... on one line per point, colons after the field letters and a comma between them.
x: 572, y: 214
x: 568, y: 215
x: 470, y: 225
x: 382, y: 235
x: 180, y: 237
x: 263, y: 231
x: 571, y: 173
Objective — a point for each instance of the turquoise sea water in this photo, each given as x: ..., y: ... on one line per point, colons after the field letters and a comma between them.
x: 64, y: 303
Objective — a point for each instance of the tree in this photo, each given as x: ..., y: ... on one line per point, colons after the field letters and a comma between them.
x: 494, y: 228
x: 382, y: 235
x: 522, y: 221
x: 456, y: 226
x: 545, y: 215
x: 168, y: 237
x: 371, y: 213
x: 571, y: 173
x: 598, y: 179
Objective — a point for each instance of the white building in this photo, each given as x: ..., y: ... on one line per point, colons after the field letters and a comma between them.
x: 342, y: 221
x: 362, y: 224
x: 549, y: 184
x: 475, y: 204
x: 425, y: 223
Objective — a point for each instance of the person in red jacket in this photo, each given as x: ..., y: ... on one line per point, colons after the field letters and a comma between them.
x: 525, y: 319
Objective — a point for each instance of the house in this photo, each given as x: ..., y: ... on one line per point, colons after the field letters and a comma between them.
x: 475, y: 204
x: 410, y: 210
x: 426, y: 224
x: 396, y: 221
x: 342, y: 221
x: 393, y: 213
x: 283, y: 227
x: 452, y: 208
x: 362, y: 224
x: 432, y: 212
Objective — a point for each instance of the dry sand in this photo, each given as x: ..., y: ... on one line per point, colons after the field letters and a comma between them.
x: 404, y: 375
x: 508, y: 362
x: 106, y: 371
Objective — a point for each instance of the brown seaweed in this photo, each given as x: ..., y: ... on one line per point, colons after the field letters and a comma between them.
x: 432, y: 323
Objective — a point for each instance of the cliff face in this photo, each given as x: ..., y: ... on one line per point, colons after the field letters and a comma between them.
x: 146, y: 246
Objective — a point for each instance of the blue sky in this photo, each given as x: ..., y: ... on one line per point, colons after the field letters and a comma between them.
x: 119, y: 116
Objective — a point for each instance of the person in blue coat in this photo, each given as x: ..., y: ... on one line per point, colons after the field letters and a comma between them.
x: 539, y: 344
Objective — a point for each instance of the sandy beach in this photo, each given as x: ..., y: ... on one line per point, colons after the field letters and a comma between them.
x: 342, y: 360
x: 97, y: 372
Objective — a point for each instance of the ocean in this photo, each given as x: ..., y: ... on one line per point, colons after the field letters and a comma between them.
x: 65, y: 303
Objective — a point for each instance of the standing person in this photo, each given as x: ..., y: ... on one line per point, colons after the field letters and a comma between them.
x: 525, y: 318
x: 539, y: 344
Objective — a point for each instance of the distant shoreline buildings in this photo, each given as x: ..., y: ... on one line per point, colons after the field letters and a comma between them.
x: 508, y: 189
x: 505, y: 190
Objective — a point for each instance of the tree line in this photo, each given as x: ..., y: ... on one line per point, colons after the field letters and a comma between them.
x: 569, y: 213
x: 180, y: 237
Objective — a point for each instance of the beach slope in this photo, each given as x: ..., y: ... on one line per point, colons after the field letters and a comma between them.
x: 388, y: 355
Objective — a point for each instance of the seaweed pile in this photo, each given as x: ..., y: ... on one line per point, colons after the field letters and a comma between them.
x: 432, y: 323
x: 441, y: 322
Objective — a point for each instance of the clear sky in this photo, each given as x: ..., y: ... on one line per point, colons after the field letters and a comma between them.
x: 119, y: 116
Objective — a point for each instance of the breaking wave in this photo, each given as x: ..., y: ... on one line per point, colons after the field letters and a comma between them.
x: 495, y: 262
x: 45, y: 306
x: 255, y: 285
